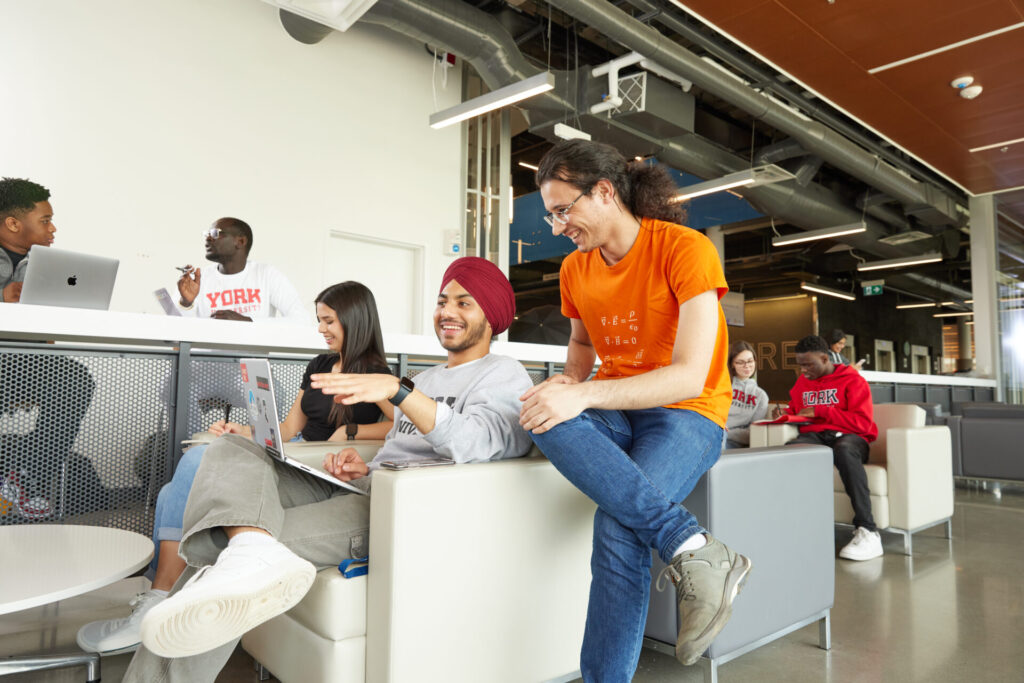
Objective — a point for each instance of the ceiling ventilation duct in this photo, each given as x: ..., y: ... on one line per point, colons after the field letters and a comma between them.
x: 338, y: 14
x: 303, y: 30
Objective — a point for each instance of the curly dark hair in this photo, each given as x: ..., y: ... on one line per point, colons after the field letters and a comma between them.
x: 647, y: 190
x: 18, y: 196
x: 812, y: 342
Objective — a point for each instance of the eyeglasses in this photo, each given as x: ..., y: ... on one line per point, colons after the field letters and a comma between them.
x: 562, y: 215
x: 213, y: 233
x: 745, y: 362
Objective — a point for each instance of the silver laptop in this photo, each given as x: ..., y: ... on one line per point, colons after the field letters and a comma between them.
x: 258, y: 389
x: 57, y: 277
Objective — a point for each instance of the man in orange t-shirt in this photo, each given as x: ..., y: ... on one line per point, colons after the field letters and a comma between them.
x: 642, y: 293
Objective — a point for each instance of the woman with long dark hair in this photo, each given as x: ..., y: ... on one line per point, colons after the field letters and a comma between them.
x: 348, y: 320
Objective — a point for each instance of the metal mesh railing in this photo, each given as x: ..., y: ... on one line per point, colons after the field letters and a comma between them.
x: 86, y: 436
x: 83, y: 436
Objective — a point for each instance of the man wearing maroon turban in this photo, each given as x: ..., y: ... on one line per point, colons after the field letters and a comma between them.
x: 282, y: 524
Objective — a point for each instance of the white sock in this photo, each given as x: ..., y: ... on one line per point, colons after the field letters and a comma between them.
x: 162, y: 594
x: 251, y: 538
x: 692, y: 543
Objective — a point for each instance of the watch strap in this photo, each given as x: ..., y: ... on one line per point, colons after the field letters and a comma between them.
x: 351, y: 429
x: 405, y: 387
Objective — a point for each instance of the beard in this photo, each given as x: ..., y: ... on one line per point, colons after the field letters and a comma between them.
x: 473, y: 335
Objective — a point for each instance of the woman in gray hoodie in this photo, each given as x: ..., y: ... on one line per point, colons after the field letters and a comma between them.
x: 749, y: 401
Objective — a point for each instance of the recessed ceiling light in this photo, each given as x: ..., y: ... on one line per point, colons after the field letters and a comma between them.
x: 824, y: 233
x: 828, y: 291
x: 900, y: 262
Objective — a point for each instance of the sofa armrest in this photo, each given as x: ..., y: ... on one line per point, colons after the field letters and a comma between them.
x: 477, y: 573
x: 766, y: 435
x: 920, y: 471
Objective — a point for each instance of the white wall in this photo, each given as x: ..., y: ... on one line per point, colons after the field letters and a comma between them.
x: 148, y: 120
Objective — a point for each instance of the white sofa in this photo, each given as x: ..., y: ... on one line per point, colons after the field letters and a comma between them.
x: 477, y: 573
x: 909, y: 471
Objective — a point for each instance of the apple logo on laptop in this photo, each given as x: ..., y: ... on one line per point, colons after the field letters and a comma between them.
x: 73, y: 280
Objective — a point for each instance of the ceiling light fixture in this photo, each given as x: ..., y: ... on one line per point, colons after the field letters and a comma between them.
x: 529, y: 166
x: 828, y: 291
x: 496, y: 99
x: 927, y: 305
x: 822, y: 234
x: 952, y: 315
x: 900, y: 262
x: 569, y: 133
x: 751, y: 177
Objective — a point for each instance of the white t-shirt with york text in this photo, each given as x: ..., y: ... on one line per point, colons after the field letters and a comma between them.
x: 259, y: 291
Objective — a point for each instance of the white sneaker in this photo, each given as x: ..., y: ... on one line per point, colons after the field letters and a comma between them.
x: 248, y: 585
x: 114, y: 636
x: 866, y: 545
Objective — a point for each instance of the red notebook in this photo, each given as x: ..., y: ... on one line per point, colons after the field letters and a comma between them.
x: 787, y: 419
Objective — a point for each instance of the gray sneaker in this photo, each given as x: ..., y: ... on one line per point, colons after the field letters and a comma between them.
x: 707, y: 581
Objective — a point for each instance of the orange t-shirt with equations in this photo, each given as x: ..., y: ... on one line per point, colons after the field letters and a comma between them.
x: 631, y: 309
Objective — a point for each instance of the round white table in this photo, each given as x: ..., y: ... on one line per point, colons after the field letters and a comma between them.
x: 44, y: 563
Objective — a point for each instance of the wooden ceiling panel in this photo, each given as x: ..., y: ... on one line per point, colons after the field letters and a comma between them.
x: 877, y: 32
x: 1009, y: 165
x: 723, y: 11
x: 997, y: 64
x: 828, y: 47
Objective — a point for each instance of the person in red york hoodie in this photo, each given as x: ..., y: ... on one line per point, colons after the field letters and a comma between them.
x: 838, y: 402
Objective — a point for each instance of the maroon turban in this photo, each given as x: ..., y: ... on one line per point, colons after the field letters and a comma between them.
x: 488, y: 285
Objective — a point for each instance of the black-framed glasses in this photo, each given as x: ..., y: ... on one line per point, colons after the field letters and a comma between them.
x: 562, y: 215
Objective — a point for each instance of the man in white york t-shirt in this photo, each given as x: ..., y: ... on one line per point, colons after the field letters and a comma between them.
x: 237, y: 289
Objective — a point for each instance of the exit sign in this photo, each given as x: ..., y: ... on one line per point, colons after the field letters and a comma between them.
x: 872, y: 287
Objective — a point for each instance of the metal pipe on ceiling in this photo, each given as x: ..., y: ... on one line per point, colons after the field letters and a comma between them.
x: 476, y: 37
x: 726, y: 53
x: 814, y: 136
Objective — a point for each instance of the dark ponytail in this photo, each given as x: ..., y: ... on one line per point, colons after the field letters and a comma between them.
x: 645, y: 189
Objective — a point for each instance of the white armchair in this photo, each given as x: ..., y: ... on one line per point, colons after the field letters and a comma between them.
x: 477, y: 573
x: 909, y: 471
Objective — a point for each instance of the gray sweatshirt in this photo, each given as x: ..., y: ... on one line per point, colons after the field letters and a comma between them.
x: 749, y: 404
x: 477, y: 414
x: 8, y: 273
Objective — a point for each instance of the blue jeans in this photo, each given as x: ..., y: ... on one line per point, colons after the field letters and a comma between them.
x: 170, y: 502
x: 638, y: 466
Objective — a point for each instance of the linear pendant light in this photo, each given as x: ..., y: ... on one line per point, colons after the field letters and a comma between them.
x: 496, y: 99
x: 931, y: 304
x: 958, y: 314
x: 758, y: 175
x: 900, y: 262
x: 824, y: 233
x: 828, y: 291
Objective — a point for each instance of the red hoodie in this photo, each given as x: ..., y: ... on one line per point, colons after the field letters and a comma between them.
x: 841, y: 401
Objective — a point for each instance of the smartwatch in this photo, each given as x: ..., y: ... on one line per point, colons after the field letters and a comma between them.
x: 351, y: 429
x: 405, y: 387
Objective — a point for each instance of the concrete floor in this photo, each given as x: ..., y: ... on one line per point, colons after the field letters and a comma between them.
x: 950, y: 613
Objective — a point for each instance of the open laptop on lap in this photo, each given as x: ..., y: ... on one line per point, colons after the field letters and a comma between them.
x: 58, y: 277
x: 258, y: 394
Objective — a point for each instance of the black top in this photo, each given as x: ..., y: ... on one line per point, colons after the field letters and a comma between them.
x: 317, y: 407
x: 15, y: 257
